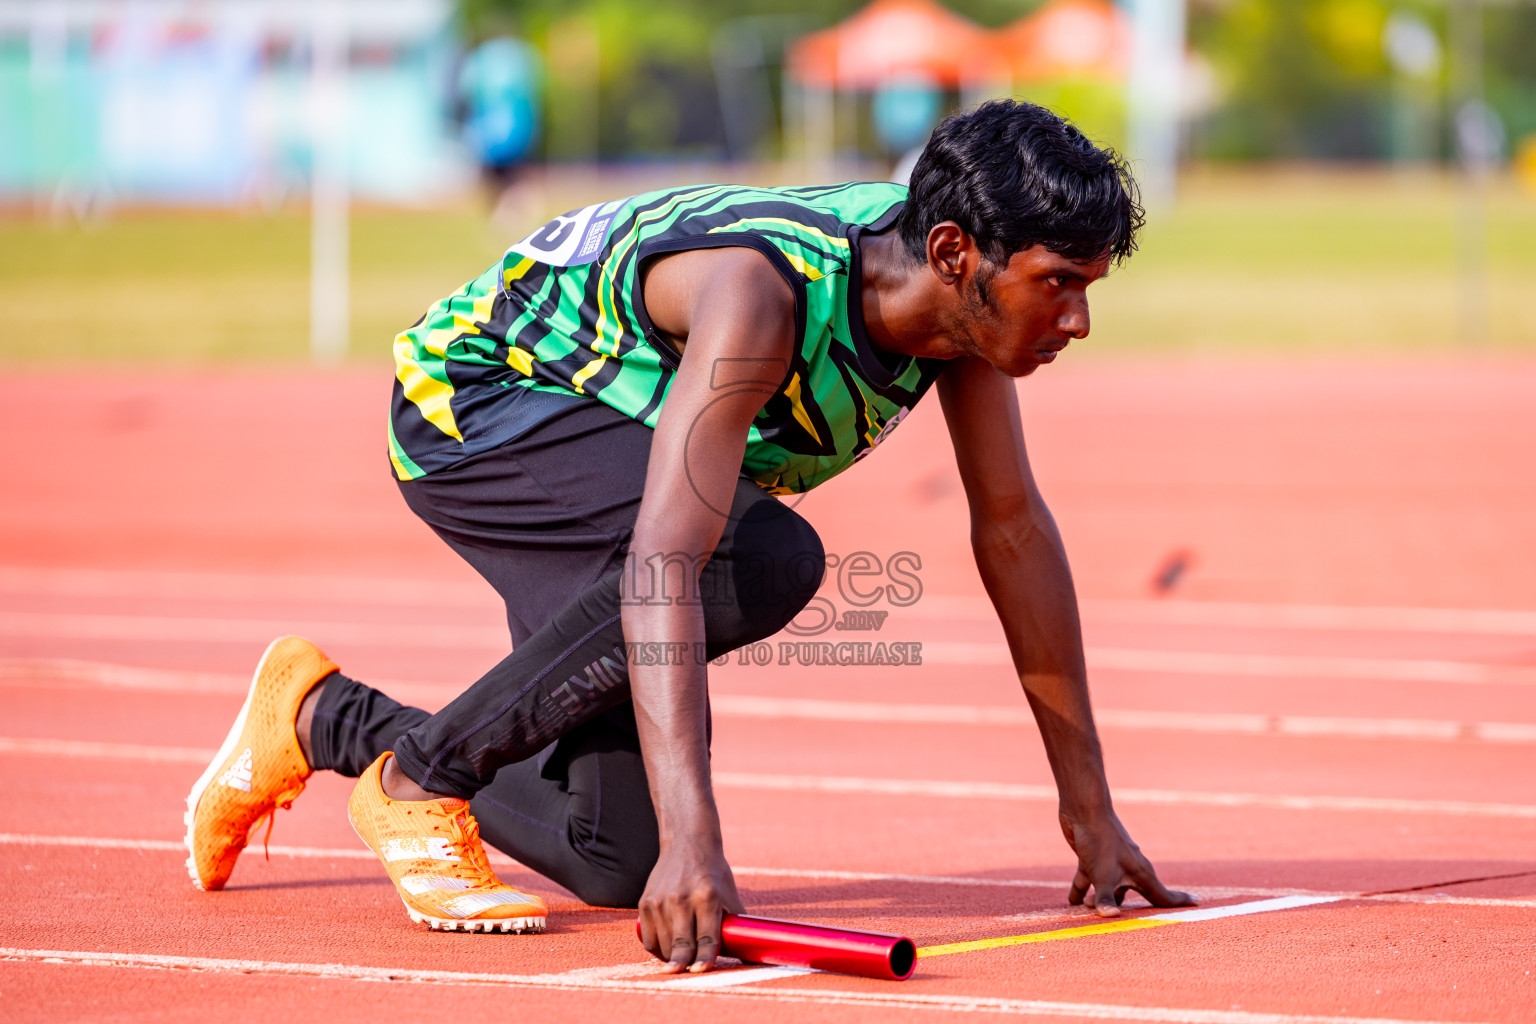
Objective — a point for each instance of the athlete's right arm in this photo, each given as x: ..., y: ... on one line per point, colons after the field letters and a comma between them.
x: 737, y: 316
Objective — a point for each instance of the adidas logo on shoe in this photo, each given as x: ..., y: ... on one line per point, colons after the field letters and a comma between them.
x: 238, y: 775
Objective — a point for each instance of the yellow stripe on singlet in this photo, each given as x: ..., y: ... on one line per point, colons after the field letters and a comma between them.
x: 839, y: 243
x: 800, y: 263
x: 604, y: 317
x: 792, y: 392
x: 430, y: 395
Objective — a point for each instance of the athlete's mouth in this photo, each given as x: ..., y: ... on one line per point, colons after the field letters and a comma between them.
x: 1049, y: 353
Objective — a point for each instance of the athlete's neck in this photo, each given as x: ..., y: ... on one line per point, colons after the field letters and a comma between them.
x: 901, y: 299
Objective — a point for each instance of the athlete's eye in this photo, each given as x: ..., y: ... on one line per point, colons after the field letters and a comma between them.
x: 1057, y: 280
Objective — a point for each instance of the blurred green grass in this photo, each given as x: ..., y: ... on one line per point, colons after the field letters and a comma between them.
x: 1262, y: 261
x: 157, y: 286
x: 1319, y: 261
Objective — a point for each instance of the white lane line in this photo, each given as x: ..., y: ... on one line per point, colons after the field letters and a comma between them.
x: 138, y: 585
x: 1027, y: 792
x: 1243, y: 909
x: 169, y: 629
x: 1506, y: 732
x: 167, y: 846
x: 739, y: 976
x: 818, y: 875
x: 1211, y: 892
x: 118, y: 751
x: 180, y: 847
x: 1255, y: 615
x: 1243, y: 615
x: 612, y: 971
x: 748, y: 706
x: 828, y: 875
x: 885, y: 997
x: 25, y: 671
x: 73, y: 672
x: 1286, y: 666
x: 1269, y: 666
x: 889, y: 787
x: 190, y: 630
x: 32, y: 671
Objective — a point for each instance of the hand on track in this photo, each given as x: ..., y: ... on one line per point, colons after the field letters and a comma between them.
x: 689, y: 890
x: 1112, y: 865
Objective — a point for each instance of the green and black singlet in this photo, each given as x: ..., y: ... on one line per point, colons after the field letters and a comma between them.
x: 562, y: 314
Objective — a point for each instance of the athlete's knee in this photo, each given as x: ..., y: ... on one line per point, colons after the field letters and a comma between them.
x: 801, y: 572
x: 774, y: 568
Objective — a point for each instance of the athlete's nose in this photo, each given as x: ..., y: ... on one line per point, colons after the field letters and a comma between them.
x: 1074, y: 320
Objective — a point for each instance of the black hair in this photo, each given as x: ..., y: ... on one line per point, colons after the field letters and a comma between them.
x: 1015, y: 175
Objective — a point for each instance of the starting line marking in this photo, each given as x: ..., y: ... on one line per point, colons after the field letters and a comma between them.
x: 887, y: 997
x: 1013, y: 791
x: 497, y: 857
x: 739, y: 976
x: 1130, y: 924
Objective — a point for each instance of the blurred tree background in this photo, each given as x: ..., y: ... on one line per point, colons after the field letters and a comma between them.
x: 1287, y: 232
x: 1275, y: 79
x: 1313, y: 79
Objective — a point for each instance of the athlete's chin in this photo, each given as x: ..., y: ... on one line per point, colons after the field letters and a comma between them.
x: 1016, y: 362
x: 1025, y: 364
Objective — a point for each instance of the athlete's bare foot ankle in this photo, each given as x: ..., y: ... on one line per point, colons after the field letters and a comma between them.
x: 398, y: 786
x: 304, y: 724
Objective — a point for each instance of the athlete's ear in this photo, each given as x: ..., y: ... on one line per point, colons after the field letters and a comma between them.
x: 950, y: 250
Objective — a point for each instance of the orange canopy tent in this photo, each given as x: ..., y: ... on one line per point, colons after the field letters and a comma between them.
x: 890, y: 39
x: 1069, y: 39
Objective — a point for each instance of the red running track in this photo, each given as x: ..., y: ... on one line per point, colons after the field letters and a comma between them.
x: 1337, y: 701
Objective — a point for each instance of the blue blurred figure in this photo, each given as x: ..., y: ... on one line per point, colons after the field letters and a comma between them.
x: 904, y: 111
x: 499, y: 89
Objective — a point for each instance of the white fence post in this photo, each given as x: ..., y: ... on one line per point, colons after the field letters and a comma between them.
x: 329, y: 276
x: 1154, y: 100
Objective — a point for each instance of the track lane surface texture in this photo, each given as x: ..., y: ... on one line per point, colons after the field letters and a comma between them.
x: 1390, y: 487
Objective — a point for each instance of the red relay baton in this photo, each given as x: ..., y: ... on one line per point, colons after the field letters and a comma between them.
x: 763, y: 940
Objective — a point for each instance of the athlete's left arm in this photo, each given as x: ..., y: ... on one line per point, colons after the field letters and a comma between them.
x: 1024, y: 568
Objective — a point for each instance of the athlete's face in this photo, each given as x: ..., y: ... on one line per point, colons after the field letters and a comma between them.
x: 1019, y: 316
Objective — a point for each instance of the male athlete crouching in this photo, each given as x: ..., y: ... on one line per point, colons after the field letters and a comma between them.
x: 632, y: 381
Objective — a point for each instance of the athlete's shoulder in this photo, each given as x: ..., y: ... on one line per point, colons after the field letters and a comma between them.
x: 807, y: 222
x: 854, y: 202
x: 721, y: 207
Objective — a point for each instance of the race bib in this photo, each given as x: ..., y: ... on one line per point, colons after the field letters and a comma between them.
x: 571, y: 238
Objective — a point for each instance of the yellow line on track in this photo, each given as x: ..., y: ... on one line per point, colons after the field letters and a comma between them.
x: 1127, y: 925
x: 1134, y: 924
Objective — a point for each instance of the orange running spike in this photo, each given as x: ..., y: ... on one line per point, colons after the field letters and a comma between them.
x: 432, y: 851
x: 260, y: 766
